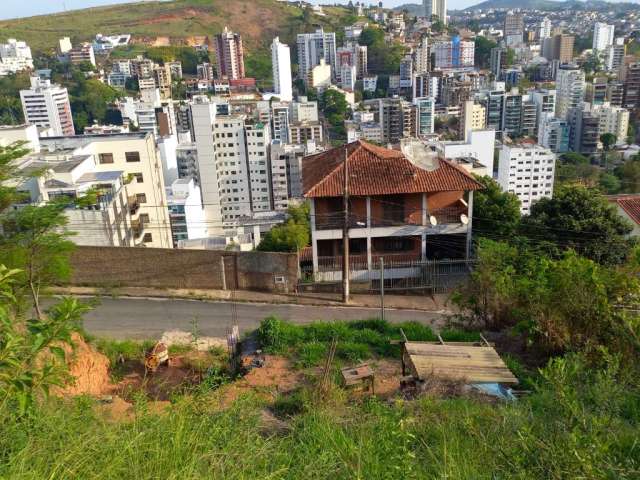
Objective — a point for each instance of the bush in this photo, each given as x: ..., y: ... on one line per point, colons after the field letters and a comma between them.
x: 311, y: 354
x: 353, y: 351
x: 276, y: 336
x: 452, y: 335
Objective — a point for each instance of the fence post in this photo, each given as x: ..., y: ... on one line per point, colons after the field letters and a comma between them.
x: 223, y: 277
x: 381, y: 288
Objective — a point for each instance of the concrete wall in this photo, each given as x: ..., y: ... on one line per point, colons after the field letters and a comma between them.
x: 185, y: 269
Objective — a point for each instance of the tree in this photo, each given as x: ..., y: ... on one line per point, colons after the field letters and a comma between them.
x: 35, y: 241
x: 495, y: 212
x: 293, y: 235
x: 574, y: 158
x: 629, y: 175
x: 608, y: 140
x: 335, y: 108
x: 9, y: 173
x: 610, y: 184
x: 384, y: 57
x: 580, y: 219
x: 483, y: 48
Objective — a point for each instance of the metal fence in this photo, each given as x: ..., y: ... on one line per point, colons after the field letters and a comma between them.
x: 401, y: 272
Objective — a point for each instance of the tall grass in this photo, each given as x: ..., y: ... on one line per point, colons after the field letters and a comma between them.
x: 580, y: 423
x: 359, y: 340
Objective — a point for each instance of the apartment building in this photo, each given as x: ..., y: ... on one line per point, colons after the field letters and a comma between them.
x: 396, y: 117
x: 479, y: 145
x: 613, y: 120
x: 15, y: 56
x: 514, y: 28
x: 527, y: 170
x: 570, y: 89
x: 584, y: 124
x: 186, y: 213
x: 81, y: 54
x: 456, y: 53
x: 229, y: 55
x: 602, y: 36
x: 314, y: 47
x: 303, y: 110
x: 300, y: 133
x: 127, y: 174
x: 614, y: 54
x: 47, y: 105
x: 558, y: 47
x: 472, y: 117
x: 425, y: 115
x: 437, y: 9
x: 630, y: 75
x: 553, y: 133
x: 282, y: 79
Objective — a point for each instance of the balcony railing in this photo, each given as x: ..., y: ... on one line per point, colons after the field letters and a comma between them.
x: 449, y: 215
x: 335, y: 221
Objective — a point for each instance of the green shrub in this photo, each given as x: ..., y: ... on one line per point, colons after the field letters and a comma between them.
x: 454, y: 335
x: 417, y: 332
x: 276, y: 336
x: 289, y: 405
x: 352, y: 351
x: 311, y: 354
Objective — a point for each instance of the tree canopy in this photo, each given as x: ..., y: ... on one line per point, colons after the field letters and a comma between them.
x: 384, y: 57
x: 580, y: 219
x: 495, y: 212
x: 293, y: 235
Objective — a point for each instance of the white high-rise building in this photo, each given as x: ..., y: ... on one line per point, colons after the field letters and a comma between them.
x: 614, y: 54
x: 425, y: 115
x: 282, y: 81
x: 421, y: 61
x: 436, y: 8
x: 545, y: 29
x: 570, y: 89
x: 613, y: 120
x: 314, y: 47
x: 186, y: 213
x: 528, y: 171
x: 47, y: 105
x: 602, y: 36
x: 15, y: 56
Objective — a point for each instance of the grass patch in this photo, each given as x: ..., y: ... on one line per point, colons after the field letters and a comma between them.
x: 357, y: 341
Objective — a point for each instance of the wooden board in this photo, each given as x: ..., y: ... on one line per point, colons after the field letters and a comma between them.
x: 469, y: 362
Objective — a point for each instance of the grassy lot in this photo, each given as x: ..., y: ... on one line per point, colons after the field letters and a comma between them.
x: 575, y: 425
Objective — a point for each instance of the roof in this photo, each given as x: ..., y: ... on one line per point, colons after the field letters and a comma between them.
x: 68, y: 165
x: 468, y: 362
x: 630, y: 204
x: 109, y: 176
x: 376, y: 170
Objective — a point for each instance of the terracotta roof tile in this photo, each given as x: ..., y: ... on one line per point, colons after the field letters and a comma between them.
x: 376, y: 170
x: 630, y: 204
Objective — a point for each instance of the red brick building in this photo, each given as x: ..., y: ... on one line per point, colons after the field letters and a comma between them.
x: 398, y: 211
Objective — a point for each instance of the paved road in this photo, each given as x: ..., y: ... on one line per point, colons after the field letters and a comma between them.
x: 148, y: 318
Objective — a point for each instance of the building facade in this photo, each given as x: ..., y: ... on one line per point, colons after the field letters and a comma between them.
x: 47, y: 105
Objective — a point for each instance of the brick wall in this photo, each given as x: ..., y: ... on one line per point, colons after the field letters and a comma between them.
x: 172, y: 268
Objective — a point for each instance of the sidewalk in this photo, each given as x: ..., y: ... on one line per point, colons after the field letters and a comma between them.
x: 437, y: 303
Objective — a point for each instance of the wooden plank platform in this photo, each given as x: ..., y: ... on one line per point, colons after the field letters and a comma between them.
x: 470, y: 362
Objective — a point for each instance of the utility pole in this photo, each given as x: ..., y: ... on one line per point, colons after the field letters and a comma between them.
x: 345, y: 231
x: 382, y: 288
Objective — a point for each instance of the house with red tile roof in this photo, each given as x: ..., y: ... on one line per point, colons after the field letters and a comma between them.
x: 398, y: 211
x: 629, y: 208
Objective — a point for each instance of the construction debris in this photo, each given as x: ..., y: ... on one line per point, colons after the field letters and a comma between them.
x: 360, y: 376
x: 158, y: 355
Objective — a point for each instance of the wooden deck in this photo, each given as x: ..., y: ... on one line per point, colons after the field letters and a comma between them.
x: 468, y: 362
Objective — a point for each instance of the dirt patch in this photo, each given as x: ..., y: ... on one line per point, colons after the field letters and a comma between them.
x: 276, y: 376
x: 181, y: 373
x: 387, y: 377
x: 88, y: 367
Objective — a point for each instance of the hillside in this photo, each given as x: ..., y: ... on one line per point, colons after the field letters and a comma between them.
x: 173, y: 22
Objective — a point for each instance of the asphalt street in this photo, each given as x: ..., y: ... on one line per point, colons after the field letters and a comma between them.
x: 121, y: 318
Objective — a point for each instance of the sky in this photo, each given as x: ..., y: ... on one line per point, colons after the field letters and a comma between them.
x: 27, y: 8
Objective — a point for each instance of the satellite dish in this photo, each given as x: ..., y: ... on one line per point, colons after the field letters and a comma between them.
x: 464, y: 219
x: 433, y: 220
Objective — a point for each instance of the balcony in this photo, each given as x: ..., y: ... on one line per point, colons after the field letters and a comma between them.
x: 134, y: 205
x: 138, y: 227
x: 335, y: 221
x: 449, y: 215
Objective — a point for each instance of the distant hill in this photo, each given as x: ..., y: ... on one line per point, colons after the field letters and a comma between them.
x: 554, y: 5
x: 418, y: 10
x: 174, y: 22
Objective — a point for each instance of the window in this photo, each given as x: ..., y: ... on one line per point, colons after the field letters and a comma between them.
x: 141, y: 198
x: 132, y: 156
x: 139, y: 177
x: 144, y: 218
x: 105, y: 158
x: 148, y: 238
